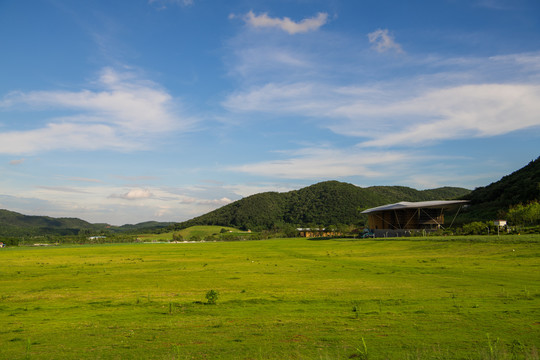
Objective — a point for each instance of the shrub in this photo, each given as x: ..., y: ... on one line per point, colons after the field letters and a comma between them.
x: 212, y: 296
x: 475, y: 228
x: 178, y: 237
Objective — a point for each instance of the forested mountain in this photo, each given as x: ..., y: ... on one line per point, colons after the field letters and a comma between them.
x: 491, y: 201
x: 322, y: 204
x: 15, y: 224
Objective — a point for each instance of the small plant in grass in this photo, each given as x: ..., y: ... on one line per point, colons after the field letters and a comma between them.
x: 493, y: 348
x: 361, y: 351
x: 212, y: 296
x: 27, y: 355
x: 356, y: 311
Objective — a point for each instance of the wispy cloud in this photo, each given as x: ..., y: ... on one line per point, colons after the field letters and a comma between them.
x: 383, y: 41
x: 123, y: 114
x: 87, y: 180
x: 134, y: 194
x: 286, y: 24
x: 162, y: 4
x: 16, y: 162
x: 322, y: 163
x: 460, y: 112
x: 63, y: 189
x: 216, y: 202
x: 415, y: 110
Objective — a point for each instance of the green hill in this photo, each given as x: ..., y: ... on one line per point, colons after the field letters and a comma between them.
x: 147, y: 226
x: 491, y: 201
x: 325, y: 203
x: 15, y: 224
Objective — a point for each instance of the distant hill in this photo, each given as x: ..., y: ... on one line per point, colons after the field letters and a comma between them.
x: 491, y: 201
x: 325, y: 203
x: 15, y: 224
x: 139, y: 227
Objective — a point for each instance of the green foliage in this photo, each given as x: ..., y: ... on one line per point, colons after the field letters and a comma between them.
x: 525, y: 214
x: 212, y: 296
x: 475, y: 228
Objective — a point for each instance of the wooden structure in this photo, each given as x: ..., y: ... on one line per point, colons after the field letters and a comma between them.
x: 424, y: 215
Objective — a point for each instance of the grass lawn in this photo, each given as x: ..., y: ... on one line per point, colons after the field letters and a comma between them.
x: 445, y: 298
x: 199, y: 232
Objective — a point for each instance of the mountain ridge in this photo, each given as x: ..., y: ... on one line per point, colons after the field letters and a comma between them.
x: 15, y: 224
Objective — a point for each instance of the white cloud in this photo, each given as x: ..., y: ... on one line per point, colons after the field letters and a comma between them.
x: 286, y: 98
x: 123, y: 115
x: 399, y: 113
x: 134, y: 194
x: 383, y: 41
x: 63, y: 136
x: 323, y: 163
x: 217, y: 202
x: 286, y: 24
x: 463, y: 111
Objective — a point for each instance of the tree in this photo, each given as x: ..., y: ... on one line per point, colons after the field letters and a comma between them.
x: 178, y: 237
x: 525, y: 214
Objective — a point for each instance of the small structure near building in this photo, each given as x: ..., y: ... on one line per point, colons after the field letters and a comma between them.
x: 401, y: 218
x: 500, y: 223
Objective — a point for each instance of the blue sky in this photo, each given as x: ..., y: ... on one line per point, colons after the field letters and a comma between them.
x: 128, y: 111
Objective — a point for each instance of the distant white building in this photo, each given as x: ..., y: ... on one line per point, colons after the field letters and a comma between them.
x: 500, y: 223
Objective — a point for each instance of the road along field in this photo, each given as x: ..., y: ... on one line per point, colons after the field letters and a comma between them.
x: 445, y: 298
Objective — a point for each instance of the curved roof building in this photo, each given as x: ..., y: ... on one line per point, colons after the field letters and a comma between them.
x: 423, y: 215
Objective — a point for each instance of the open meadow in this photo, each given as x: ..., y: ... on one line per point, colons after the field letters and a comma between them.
x: 421, y: 298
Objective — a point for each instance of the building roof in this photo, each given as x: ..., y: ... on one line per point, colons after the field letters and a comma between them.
x: 416, y: 205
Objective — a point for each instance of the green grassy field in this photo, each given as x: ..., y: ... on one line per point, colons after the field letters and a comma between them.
x: 447, y: 298
x: 199, y: 232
